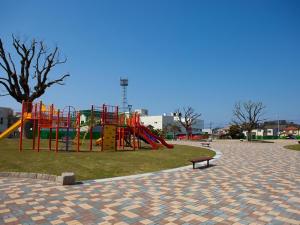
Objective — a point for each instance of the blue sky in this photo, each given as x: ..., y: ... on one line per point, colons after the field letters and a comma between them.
x: 205, y: 54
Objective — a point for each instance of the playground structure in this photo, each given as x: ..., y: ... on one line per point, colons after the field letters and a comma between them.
x: 118, y: 131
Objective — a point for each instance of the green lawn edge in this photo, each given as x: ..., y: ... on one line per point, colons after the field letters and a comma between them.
x: 95, y: 165
x: 293, y: 147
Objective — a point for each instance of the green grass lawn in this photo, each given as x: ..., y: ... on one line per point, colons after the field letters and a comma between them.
x: 94, y: 165
x: 293, y: 147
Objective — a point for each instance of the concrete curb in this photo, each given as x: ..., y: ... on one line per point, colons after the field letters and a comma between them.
x: 39, y: 176
x: 65, y: 179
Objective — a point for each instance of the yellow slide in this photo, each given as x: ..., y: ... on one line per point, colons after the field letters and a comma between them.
x: 99, y: 141
x: 13, y: 127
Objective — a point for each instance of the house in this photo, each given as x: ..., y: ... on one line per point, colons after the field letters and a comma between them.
x: 221, y: 132
x: 6, y: 116
x: 207, y: 131
x: 275, y: 129
x: 270, y: 132
x: 291, y: 131
x: 255, y: 133
x: 278, y: 127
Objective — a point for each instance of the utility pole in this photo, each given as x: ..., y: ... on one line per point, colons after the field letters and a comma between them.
x: 278, y: 126
x: 210, y: 127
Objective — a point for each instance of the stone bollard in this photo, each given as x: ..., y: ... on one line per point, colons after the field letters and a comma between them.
x: 66, y: 178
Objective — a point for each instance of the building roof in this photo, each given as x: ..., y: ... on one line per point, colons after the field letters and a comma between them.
x: 291, y: 128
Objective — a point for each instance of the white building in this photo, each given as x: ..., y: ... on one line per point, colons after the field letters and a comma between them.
x: 207, y: 130
x: 5, y: 118
x: 255, y: 132
x: 270, y: 132
x: 157, y: 122
x: 142, y: 112
x: 162, y: 121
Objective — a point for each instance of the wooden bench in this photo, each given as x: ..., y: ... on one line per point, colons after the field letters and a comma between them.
x: 206, y: 144
x: 200, y: 159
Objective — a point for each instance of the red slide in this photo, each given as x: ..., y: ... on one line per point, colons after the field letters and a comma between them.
x: 161, y: 140
x: 145, y: 137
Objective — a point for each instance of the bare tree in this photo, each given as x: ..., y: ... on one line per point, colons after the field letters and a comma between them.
x: 187, y: 117
x: 173, y: 128
x: 248, y: 115
x: 29, y: 79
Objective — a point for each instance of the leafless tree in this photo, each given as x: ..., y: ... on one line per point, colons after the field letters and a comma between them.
x: 173, y: 128
x: 27, y: 77
x: 187, y: 117
x: 248, y: 115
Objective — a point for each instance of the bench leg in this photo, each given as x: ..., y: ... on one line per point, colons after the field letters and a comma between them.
x: 207, y: 163
x: 193, y: 165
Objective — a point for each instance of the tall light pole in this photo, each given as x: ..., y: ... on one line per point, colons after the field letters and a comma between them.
x: 278, y: 127
x: 124, y: 85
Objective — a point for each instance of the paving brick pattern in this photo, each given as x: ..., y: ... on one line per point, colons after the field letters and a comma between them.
x: 250, y: 184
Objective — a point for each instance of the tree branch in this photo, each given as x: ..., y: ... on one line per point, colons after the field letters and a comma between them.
x: 17, y: 83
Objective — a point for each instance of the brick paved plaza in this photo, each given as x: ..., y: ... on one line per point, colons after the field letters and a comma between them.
x: 252, y: 183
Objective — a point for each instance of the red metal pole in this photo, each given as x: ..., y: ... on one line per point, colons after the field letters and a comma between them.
x: 39, y: 125
x: 117, y: 114
x: 91, y: 128
x: 138, y: 125
x: 134, y: 137
x: 123, y: 138
x: 103, y: 124
x: 104, y: 114
x: 78, y: 131
x: 50, y: 130
x: 118, y: 137
x: 68, y: 128
x: 21, y: 130
x: 33, y: 116
x: 57, y: 131
x: 116, y: 122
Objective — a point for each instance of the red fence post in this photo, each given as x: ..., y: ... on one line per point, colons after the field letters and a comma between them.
x: 50, y: 124
x: 39, y: 125
x: 33, y: 116
x: 91, y: 128
x: 21, y: 130
x: 57, y: 131
x: 78, y: 131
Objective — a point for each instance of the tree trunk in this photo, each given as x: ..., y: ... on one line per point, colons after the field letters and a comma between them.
x: 249, y: 135
x: 188, y: 132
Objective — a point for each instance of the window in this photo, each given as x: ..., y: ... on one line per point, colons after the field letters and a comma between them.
x: 1, y: 120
